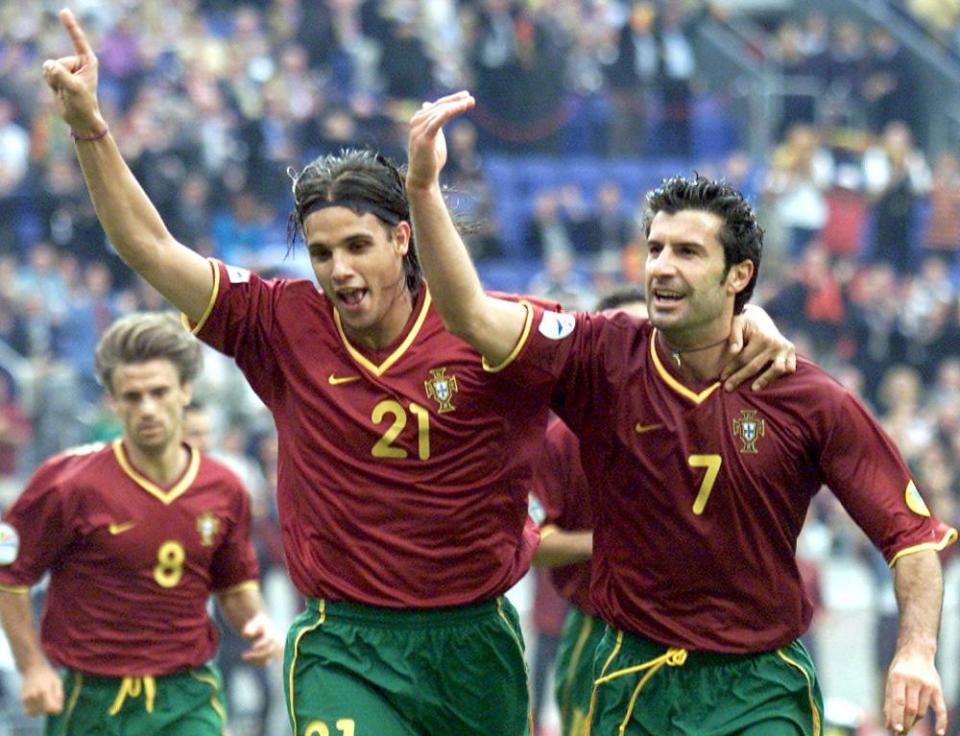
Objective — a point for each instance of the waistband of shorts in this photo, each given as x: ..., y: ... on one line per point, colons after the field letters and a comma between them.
x: 406, y: 617
x: 644, y: 648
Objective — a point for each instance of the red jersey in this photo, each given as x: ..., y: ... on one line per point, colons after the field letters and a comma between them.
x: 700, y: 493
x: 564, y: 493
x: 402, y: 475
x: 131, y: 564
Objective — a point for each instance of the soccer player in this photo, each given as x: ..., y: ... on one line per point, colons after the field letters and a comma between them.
x: 699, y: 493
x: 566, y: 546
x: 404, y: 461
x: 136, y: 535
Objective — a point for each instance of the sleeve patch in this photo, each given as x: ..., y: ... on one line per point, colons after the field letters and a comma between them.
x: 237, y: 275
x: 557, y: 325
x: 9, y: 544
x: 536, y: 510
x: 915, y: 501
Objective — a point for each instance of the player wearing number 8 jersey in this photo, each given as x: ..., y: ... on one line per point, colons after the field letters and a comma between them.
x: 136, y: 535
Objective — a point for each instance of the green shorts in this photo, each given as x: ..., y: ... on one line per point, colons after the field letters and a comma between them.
x: 356, y: 669
x: 167, y: 705
x: 578, y: 642
x: 645, y: 689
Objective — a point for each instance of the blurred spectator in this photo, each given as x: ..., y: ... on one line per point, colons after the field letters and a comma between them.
x: 889, y: 88
x: 895, y: 175
x: 801, y: 171
x: 15, y: 432
x: 547, y: 232
x: 632, y: 77
x: 14, y: 149
x: 943, y: 229
x: 560, y: 281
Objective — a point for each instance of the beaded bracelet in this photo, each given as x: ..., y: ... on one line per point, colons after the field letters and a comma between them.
x: 88, y: 138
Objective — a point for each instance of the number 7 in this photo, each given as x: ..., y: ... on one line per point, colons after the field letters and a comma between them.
x: 712, y: 464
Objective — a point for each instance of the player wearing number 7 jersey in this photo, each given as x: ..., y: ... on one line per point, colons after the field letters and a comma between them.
x: 698, y: 494
x: 136, y: 535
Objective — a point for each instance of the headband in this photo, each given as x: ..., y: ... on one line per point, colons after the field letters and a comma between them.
x: 357, y: 205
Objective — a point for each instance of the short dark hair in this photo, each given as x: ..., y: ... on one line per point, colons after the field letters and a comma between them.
x: 624, y: 295
x: 144, y: 336
x: 740, y: 234
x: 356, y: 177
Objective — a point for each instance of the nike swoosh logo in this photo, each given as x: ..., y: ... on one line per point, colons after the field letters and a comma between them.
x: 121, y: 528
x: 641, y: 428
x: 337, y: 380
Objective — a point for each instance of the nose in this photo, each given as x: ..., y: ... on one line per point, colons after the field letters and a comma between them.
x: 342, y: 268
x: 660, y: 263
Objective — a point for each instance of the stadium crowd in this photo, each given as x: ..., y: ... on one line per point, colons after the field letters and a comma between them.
x: 212, y: 100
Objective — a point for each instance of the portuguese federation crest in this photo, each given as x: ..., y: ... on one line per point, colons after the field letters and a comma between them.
x: 208, y: 525
x: 748, y: 428
x: 440, y: 387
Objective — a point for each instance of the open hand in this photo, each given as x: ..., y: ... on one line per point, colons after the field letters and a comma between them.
x: 427, y: 147
x: 756, y: 342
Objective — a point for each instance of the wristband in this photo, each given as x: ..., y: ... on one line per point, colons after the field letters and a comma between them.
x: 89, y: 138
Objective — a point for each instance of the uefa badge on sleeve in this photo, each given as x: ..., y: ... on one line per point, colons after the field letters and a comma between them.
x: 9, y: 544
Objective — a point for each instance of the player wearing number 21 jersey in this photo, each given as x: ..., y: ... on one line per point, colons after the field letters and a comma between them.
x: 131, y: 564
x: 422, y: 423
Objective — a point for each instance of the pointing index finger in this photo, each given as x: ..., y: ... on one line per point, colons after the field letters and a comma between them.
x: 79, y: 38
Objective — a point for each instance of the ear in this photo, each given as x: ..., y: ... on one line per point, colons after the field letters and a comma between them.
x: 187, y: 389
x: 401, y: 237
x: 739, y: 276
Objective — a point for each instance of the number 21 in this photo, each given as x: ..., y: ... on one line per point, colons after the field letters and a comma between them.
x: 712, y: 464
x: 384, y: 446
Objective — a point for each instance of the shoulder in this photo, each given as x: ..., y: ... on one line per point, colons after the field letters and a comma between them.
x: 217, y: 472
x: 73, y: 467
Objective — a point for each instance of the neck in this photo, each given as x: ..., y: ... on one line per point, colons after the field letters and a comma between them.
x: 386, y: 331
x: 699, y: 360
x: 161, y: 465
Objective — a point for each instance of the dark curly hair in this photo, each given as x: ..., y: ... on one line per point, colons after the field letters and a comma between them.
x: 740, y: 234
x: 365, y: 178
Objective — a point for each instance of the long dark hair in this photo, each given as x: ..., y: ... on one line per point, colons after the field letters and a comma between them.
x: 363, y: 180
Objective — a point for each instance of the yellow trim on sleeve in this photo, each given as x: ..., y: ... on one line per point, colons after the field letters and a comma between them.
x: 379, y: 370
x: 548, y: 530
x: 696, y: 398
x: 239, y: 587
x: 524, y: 334
x: 949, y: 538
x: 18, y: 589
x: 213, y: 300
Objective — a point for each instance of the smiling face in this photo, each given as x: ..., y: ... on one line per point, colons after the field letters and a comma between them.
x: 148, y: 399
x: 358, y: 262
x: 690, y: 291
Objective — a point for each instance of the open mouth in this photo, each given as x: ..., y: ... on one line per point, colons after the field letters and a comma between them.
x: 351, y: 298
x: 667, y: 296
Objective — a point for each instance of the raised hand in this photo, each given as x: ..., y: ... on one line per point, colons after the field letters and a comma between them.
x: 427, y: 148
x: 73, y: 80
